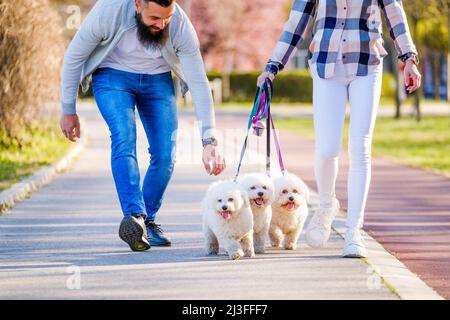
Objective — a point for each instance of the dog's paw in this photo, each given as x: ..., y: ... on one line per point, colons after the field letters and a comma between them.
x: 249, y: 254
x: 291, y: 246
x: 236, y: 255
x: 276, y: 245
x: 260, y: 250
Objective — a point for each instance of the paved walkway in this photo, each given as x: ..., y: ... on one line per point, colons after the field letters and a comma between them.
x: 408, y: 210
x: 280, y: 110
x: 62, y: 243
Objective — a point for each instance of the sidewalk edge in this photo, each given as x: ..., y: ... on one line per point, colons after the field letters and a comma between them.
x: 407, y: 285
x: 25, y: 188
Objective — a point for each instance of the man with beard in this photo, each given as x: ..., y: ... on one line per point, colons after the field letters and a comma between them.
x: 130, y: 48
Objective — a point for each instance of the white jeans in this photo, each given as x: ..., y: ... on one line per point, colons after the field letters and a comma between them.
x: 329, y: 100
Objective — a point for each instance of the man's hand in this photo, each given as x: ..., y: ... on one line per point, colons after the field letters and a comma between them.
x: 411, y: 72
x: 212, y: 160
x: 263, y: 77
x: 70, y: 126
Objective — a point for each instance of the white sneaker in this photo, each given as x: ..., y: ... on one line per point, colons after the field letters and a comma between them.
x: 354, y: 244
x: 319, y: 227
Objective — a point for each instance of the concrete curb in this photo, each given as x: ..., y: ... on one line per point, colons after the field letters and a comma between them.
x: 23, y: 189
x: 407, y: 285
x: 382, y: 266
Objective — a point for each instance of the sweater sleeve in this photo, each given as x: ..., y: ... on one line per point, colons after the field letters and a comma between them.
x: 188, y: 51
x: 84, y: 42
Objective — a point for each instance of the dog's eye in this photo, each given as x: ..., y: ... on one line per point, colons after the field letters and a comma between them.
x: 230, y: 199
x: 264, y: 187
x: 253, y: 188
x: 220, y: 200
x: 295, y: 191
x: 285, y: 191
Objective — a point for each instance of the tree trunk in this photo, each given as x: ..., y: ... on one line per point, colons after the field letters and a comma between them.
x: 437, y: 75
x: 228, y: 67
x: 417, y: 104
x: 398, y: 82
x: 398, y: 101
x: 448, y: 76
x: 447, y: 10
x: 418, y: 94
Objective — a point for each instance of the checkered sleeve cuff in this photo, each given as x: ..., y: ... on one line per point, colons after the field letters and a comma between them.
x: 273, y: 67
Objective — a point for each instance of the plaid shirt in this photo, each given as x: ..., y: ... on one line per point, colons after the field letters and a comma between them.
x: 353, y: 24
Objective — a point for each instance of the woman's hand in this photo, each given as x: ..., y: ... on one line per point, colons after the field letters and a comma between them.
x: 263, y: 78
x: 411, y: 72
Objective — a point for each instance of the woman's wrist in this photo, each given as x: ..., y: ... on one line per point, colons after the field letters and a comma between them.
x: 411, y: 57
x: 273, y: 68
x: 411, y: 62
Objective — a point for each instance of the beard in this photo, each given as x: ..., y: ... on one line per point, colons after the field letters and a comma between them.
x: 147, y: 37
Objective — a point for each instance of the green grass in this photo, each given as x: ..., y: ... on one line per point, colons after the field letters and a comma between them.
x: 366, y: 261
x: 41, y: 145
x: 249, y: 104
x: 384, y: 102
x: 390, y: 102
x: 424, y: 144
x: 388, y: 285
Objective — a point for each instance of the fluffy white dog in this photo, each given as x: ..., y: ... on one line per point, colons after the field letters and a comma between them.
x: 228, y: 220
x: 289, y: 211
x: 259, y: 188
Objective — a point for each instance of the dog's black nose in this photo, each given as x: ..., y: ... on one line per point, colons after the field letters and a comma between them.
x: 260, y: 193
x: 291, y: 198
x: 224, y: 208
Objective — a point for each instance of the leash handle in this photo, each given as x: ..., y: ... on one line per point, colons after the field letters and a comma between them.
x: 255, y: 110
x: 261, y: 110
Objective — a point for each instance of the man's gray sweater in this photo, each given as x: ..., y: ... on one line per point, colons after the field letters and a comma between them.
x: 101, y: 31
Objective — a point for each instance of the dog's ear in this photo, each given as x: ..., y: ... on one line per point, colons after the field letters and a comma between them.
x: 275, y: 194
x: 245, y: 197
x: 246, y: 200
x: 271, y: 192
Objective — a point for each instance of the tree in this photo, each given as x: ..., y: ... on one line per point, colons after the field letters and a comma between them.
x: 31, y: 52
x: 204, y: 24
x: 430, y: 31
x: 430, y: 27
x: 237, y: 35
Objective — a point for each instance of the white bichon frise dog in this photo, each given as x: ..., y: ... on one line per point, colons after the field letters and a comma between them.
x: 259, y: 188
x: 228, y: 220
x: 289, y: 211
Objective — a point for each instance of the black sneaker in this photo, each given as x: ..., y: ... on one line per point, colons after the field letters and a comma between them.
x: 156, y: 235
x: 132, y: 230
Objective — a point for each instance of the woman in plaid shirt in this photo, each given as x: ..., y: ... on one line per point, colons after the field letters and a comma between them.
x: 345, y: 60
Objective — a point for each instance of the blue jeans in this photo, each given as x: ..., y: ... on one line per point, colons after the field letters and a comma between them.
x: 117, y: 93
